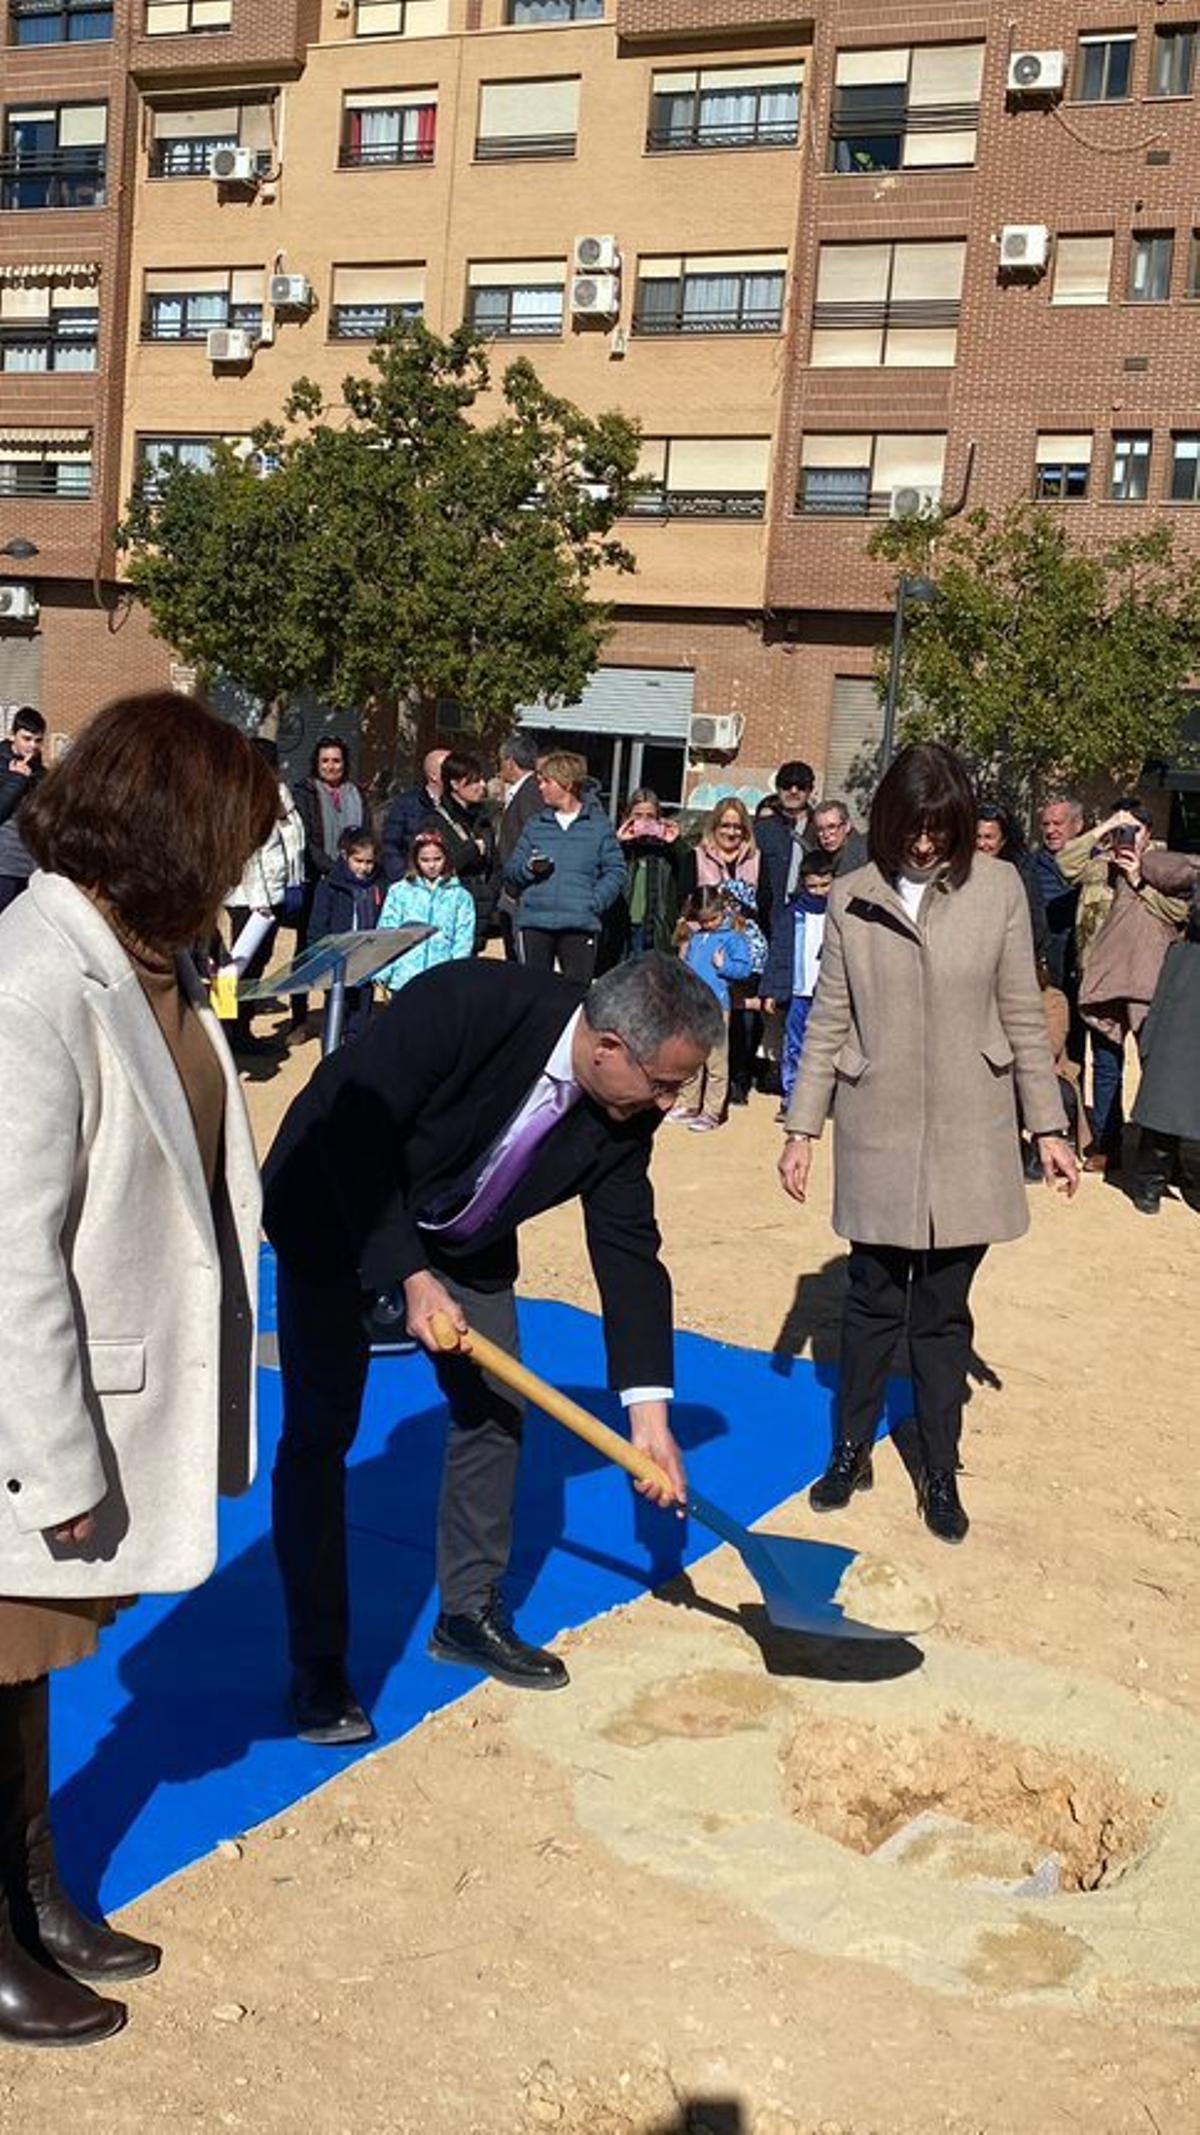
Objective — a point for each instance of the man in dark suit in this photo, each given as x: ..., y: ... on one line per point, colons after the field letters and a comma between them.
x: 522, y: 798
x: 486, y: 1094
x: 409, y: 813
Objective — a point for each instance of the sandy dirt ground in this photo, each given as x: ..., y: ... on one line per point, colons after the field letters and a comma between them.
x: 649, y: 1905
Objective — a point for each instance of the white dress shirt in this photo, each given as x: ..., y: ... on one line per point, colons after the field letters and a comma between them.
x: 559, y: 1070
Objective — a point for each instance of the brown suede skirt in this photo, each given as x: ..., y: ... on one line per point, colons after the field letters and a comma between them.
x: 37, y: 1637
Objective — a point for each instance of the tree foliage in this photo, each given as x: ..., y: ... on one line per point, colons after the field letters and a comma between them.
x: 407, y: 545
x: 1039, y: 660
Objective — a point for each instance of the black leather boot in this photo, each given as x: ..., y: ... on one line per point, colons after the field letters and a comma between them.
x: 39, y: 2004
x: 487, y: 1641
x: 941, y: 1507
x: 849, y: 1470
x: 1151, y: 1173
x: 324, y: 1707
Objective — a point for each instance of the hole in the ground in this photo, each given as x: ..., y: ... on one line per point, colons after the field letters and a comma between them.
x: 862, y: 1785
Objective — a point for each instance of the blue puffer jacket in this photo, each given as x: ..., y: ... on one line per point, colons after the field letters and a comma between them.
x: 589, y: 871
x: 444, y: 905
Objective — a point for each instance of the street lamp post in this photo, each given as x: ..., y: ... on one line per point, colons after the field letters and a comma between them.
x: 910, y: 593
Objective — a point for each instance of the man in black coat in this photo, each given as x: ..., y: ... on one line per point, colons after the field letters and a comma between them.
x: 484, y: 1095
x: 783, y: 832
x: 409, y: 813
x: 21, y: 769
x: 522, y: 798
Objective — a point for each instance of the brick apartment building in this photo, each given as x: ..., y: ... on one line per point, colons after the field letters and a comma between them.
x: 848, y: 259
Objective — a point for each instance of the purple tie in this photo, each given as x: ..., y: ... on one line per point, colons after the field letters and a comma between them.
x: 509, y: 1165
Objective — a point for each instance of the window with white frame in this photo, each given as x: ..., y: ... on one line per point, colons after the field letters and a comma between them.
x: 54, y: 464
x: 703, y: 478
x: 185, y: 18
x: 893, y: 306
x: 367, y: 300
x: 402, y: 18
x: 54, y: 156
x: 1104, y: 67
x: 1062, y: 465
x: 516, y: 300
x: 186, y: 305
x: 527, y: 119
x: 1185, y: 467
x: 710, y: 293
x: 385, y: 127
x: 49, y: 321
x: 726, y: 107
x: 856, y: 475
x: 184, y: 138
x: 1082, y: 269
x: 1129, y: 474
x: 905, y: 108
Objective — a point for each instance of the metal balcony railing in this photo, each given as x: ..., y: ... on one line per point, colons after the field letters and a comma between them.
x: 758, y: 133
x: 52, y: 178
x: 699, y: 504
x: 520, y: 147
x: 382, y: 155
x: 55, y: 481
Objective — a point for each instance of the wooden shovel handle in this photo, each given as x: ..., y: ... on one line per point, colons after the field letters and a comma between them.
x: 543, y: 1396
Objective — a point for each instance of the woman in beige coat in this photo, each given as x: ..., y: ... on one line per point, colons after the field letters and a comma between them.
x: 129, y: 1229
x: 926, y: 1027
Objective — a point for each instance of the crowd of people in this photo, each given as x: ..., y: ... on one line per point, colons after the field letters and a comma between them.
x: 930, y: 987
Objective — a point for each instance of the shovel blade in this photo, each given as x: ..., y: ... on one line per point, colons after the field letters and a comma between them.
x: 800, y: 1580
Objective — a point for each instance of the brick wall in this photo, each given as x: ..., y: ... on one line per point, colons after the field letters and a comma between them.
x: 265, y: 33
x: 676, y: 18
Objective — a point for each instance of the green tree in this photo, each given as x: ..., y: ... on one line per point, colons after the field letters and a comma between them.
x: 407, y: 545
x: 1039, y: 660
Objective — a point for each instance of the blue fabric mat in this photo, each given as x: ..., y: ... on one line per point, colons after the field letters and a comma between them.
x: 175, y: 1736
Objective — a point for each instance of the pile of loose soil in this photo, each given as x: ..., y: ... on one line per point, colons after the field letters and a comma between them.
x: 861, y: 1785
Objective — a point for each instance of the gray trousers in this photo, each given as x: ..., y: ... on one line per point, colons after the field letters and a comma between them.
x: 323, y: 1358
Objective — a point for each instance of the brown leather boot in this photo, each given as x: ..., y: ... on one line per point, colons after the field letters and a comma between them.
x: 49, y: 1923
x: 39, y: 2005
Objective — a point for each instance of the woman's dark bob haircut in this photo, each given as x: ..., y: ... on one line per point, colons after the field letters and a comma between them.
x: 330, y: 741
x: 156, y: 808
x: 926, y: 788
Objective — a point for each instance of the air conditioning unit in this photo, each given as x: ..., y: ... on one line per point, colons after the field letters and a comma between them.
x: 234, y: 166
x: 1036, y: 73
x: 1024, y: 247
x: 909, y: 502
x: 595, y: 296
x: 597, y: 255
x: 18, y: 604
x: 720, y: 732
x: 291, y: 292
x: 229, y: 344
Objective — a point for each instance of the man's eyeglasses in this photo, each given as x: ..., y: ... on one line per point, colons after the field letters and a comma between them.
x: 657, y: 1087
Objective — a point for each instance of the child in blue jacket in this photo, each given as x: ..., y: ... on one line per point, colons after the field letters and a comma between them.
x: 429, y: 895
x: 794, y: 961
x: 348, y: 900
x: 712, y: 939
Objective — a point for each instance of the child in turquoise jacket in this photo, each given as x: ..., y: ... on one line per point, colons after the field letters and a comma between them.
x: 429, y: 895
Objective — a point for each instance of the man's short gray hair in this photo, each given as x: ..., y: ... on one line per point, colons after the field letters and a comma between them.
x: 1065, y: 800
x: 837, y: 808
x: 521, y: 750
x: 650, y: 1001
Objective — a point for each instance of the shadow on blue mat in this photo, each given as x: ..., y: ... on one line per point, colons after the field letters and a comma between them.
x: 175, y: 1736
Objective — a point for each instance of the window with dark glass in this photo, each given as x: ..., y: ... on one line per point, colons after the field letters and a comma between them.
x: 1129, y: 478
x: 860, y: 475
x: 516, y: 300
x: 527, y: 119
x: 905, y: 108
x: 387, y: 127
x: 532, y: 12
x: 59, y: 21
x: 48, y: 464
x: 1193, y: 269
x: 48, y: 324
x: 54, y: 157
x: 726, y: 293
x: 1185, y: 467
x: 1150, y: 256
x: 726, y: 107
x: 189, y: 305
x: 186, y: 137
x: 367, y: 300
x: 1062, y: 464
x: 1173, y: 60
x: 1104, y: 67
x: 702, y: 478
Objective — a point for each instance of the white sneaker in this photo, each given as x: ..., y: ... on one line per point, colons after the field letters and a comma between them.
x: 703, y: 1123
x: 679, y: 1116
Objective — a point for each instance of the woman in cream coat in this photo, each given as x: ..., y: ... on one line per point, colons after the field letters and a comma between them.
x: 129, y: 1240
x: 926, y: 1027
